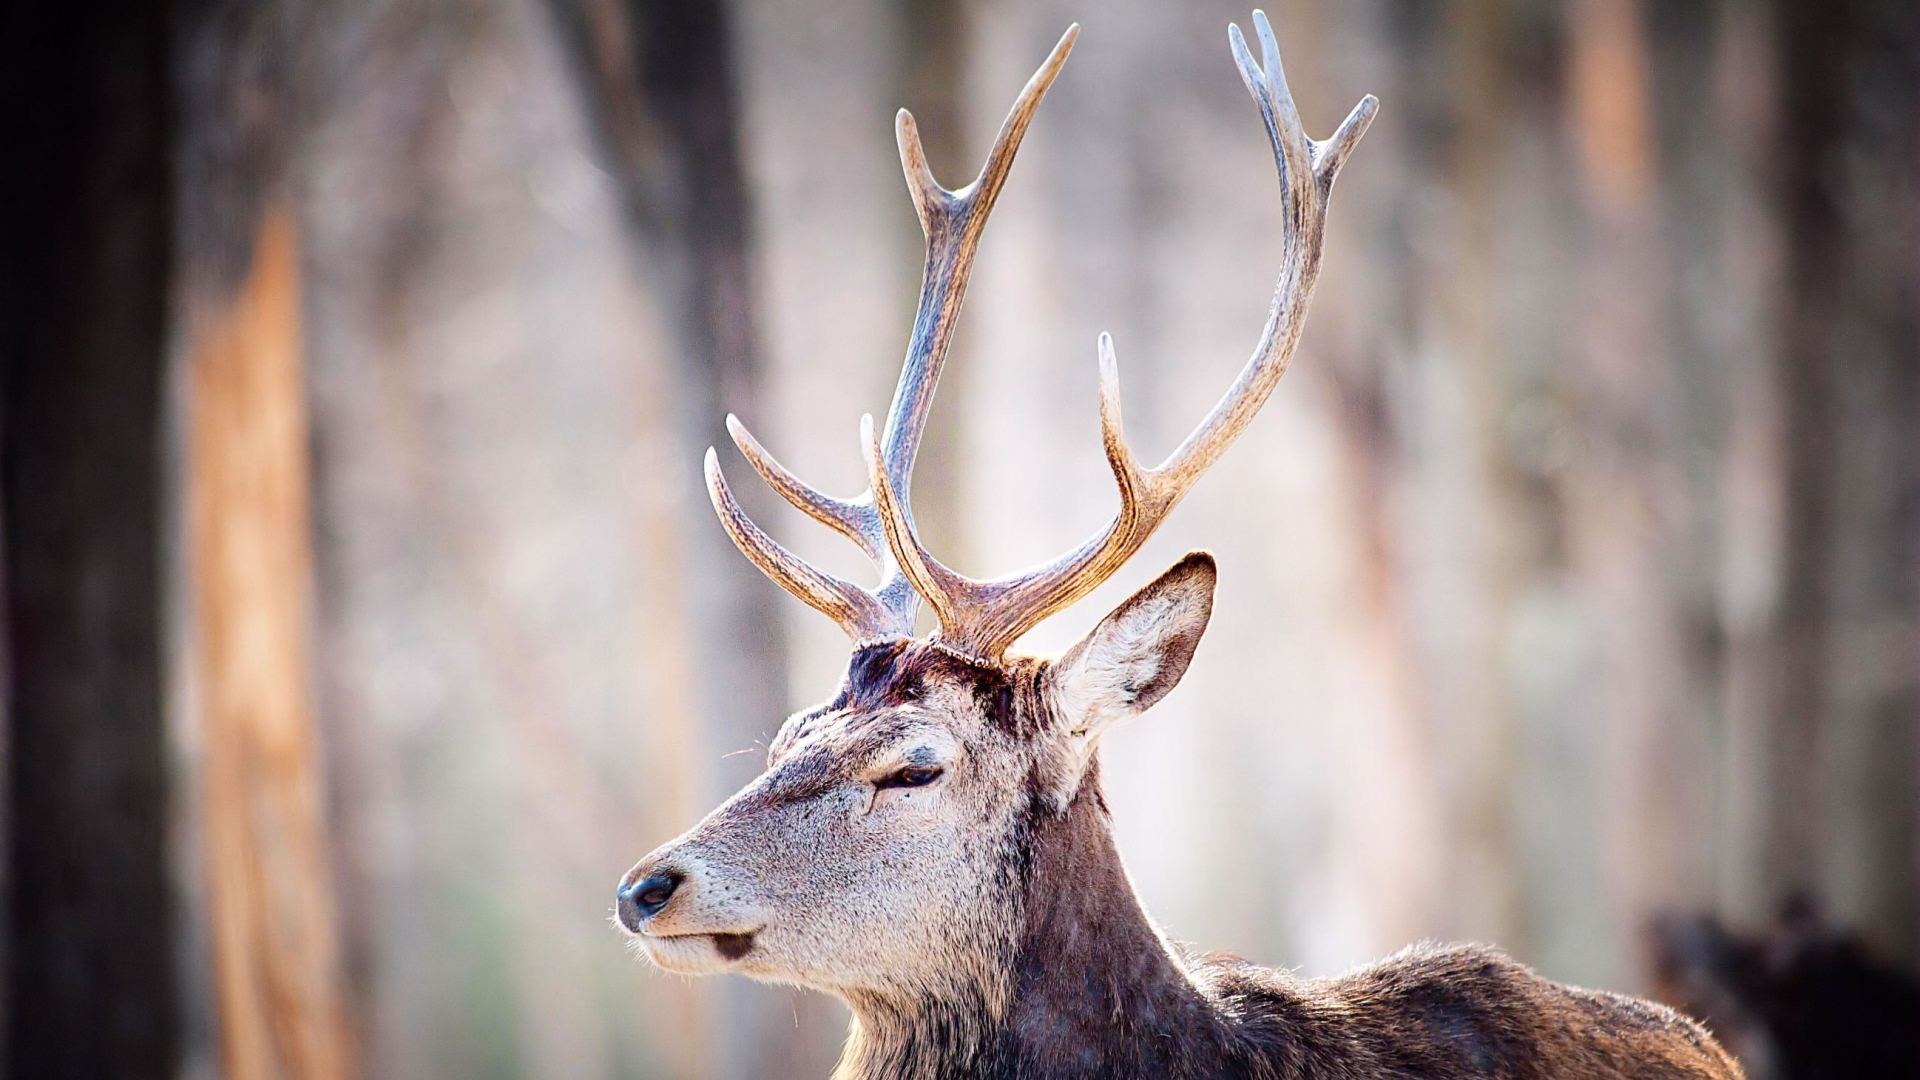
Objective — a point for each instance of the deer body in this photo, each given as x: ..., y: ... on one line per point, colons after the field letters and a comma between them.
x: 931, y: 844
x: 1073, y: 979
x: 1093, y: 989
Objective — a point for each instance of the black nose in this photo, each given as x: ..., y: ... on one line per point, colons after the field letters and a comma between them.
x: 641, y: 899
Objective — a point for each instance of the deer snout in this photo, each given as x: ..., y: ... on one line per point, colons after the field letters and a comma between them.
x: 642, y: 893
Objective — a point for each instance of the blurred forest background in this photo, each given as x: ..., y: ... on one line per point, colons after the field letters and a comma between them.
x: 366, y: 617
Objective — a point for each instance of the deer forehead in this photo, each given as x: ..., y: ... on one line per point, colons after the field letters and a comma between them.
x: 897, y: 680
x: 844, y: 744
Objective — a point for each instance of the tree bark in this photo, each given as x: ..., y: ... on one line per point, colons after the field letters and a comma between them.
x: 83, y: 325
x: 277, y: 971
x: 276, y: 949
x: 1842, y: 720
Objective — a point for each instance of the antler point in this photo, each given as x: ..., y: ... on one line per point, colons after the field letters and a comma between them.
x: 744, y: 439
x: 1061, y: 48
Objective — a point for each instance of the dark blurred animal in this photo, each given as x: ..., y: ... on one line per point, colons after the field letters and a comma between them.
x: 932, y: 845
x: 1798, y: 1000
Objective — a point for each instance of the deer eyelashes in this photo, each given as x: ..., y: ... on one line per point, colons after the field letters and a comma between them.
x: 912, y: 776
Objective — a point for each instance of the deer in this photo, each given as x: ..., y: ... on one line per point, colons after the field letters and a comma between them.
x: 931, y: 844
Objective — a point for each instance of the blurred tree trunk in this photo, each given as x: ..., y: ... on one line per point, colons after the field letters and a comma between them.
x: 1488, y: 888
x: 276, y: 954
x: 1811, y: 64
x: 1718, y: 250
x: 1634, y: 527
x: 659, y: 85
x: 1839, y: 738
x: 85, y: 257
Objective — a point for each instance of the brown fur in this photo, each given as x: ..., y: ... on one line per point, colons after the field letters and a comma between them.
x: 1096, y: 991
x: 989, y: 929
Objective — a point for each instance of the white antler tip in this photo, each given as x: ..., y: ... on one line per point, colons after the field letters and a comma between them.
x: 1332, y: 154
x: 1270, y: 55
x: 1049, y: 69
x: 1057, y: 57
x: 744, y: 439
x: 906, y: 132
x: 1250, y: 73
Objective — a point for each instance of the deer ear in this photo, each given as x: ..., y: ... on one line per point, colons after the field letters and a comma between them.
x: 1138, y: 652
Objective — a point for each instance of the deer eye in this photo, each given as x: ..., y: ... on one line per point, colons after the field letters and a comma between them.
x: 911, y: 776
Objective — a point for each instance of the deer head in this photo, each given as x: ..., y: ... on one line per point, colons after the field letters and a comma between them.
x: 886, y: 853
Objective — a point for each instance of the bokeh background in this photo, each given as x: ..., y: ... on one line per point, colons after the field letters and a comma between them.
x: 366, y: 618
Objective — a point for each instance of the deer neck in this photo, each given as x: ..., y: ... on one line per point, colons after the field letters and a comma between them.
x: 1084, y: 986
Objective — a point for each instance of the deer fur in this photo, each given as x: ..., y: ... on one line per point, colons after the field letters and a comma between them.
x: 992, y: 931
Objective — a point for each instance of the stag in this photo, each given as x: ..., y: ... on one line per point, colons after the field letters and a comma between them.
x: 931, y: 844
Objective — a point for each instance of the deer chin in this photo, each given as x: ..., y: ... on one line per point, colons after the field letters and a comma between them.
x: 708, y: 953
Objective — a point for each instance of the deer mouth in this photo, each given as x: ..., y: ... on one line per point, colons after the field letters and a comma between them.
x: 692, y: 953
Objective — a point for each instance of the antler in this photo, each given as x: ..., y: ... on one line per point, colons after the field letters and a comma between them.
x: 952, y: 221
x: 982, y: 618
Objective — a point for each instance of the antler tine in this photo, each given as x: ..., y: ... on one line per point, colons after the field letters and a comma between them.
x: 853, y: 518
x: 952, y: 221
x: 1306, y: 194
x: 982, y: 618
x: 864, y: 615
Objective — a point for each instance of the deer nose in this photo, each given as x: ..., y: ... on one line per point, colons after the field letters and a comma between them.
x: 639, y: 901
